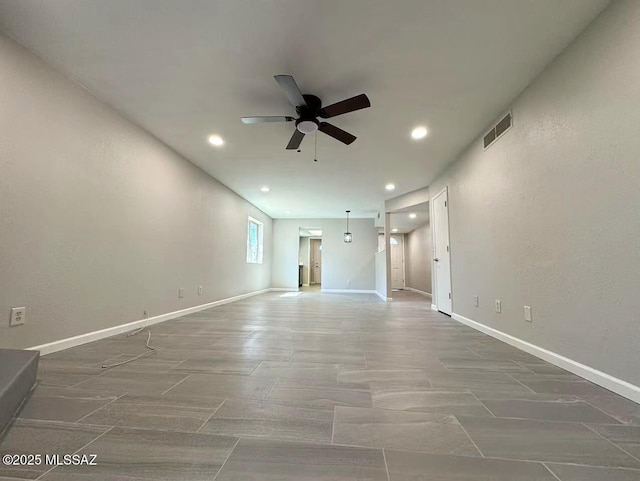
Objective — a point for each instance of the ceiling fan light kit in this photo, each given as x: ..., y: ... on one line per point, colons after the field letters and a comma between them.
x: 309, y: 108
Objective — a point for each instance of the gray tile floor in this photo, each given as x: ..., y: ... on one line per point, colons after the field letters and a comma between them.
x: 321, y: 387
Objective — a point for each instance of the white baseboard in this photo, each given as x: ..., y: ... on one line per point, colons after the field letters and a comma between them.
x: 623, y: 388
x: 384, y: 298
x: 434, y: 307
x: 284, y: 289
x: 112, y: 331
x: 349, y: 291
x: 417, y: 291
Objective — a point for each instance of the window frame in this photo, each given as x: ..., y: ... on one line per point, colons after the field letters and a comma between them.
x: 259, y: 252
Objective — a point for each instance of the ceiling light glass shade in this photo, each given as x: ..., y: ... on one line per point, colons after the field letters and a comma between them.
x: 412, y: 216
x: 390, y: 186
x: 265, y: 189
x: 307, y: 126
x: 348, y: 238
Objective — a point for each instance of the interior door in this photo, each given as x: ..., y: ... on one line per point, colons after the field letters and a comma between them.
x: 442, y: 259
x: 316, y: 261
x: 397, y: 262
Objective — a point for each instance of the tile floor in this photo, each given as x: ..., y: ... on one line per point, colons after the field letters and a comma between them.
x: 321, y: 387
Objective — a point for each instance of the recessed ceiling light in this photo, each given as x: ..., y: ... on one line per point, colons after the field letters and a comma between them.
x: 265, y: 189
x: 216, y: 140
x: 394, y: 230
x: 390, y: 187
x: 412, y: 216
x: 419, y: 133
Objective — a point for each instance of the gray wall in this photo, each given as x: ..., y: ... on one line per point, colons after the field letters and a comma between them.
x: 303, y: 258
x: 100, y: 221
x: 344, y: 266
x: 418, y: 259
x: 548, y: 216
x: 381, y: 273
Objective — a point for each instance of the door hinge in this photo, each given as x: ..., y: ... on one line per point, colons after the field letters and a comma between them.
x: 447, y: 248
x: 445, y: 203
x: 449, y: 295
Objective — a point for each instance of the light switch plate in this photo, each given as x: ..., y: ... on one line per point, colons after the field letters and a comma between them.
x: 199, y: 290
x: 498, y: 306
x: 181, y: 293
x: 527, y: 314
x: 476, y: 301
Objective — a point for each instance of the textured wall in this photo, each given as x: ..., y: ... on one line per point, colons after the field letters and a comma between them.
x: 381, y: 273
x: 303, y: 258
x: 99, y: 221
x: 344, y: 266
x: 549, y: 217
x: 418, y: 259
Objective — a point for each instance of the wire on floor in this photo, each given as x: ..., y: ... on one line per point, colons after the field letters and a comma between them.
x: 148, y: 345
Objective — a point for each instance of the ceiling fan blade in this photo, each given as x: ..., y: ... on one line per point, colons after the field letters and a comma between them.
x: 296, y: 140
x: 291, y: 90
x: 262, y: 120
x: 349, y: 105
x: 336, y: 133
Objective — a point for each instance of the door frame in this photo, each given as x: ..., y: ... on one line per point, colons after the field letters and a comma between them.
x: 434, y: 297
x: 314, y: 238
x: 404, y: 273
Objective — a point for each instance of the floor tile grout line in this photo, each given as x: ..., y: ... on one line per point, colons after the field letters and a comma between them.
x: 524, y: 385
x: 271, y: 388
x: 386, y: 466
x: 101, y: 407
x: 78, y: 450
x: 622, y: 423
x: 212, y: 414
x: 176, y: 384
x: 227, y: 459
x: 485, y: 406
x: 552, y: 473
x: 469, y: 436
x: 609, y: 441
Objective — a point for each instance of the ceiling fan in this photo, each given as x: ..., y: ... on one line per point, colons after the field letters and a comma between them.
x: 309, y: 108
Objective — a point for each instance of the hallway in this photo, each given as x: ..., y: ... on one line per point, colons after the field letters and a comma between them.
x: 322, y: 386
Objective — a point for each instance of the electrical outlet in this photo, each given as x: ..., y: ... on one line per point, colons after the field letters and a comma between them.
x: 199, y: 290
x: 18, y: 315
x: 498, y: 306
x: 527, y: 314
x: 180, y: 292
x: 476, y: 301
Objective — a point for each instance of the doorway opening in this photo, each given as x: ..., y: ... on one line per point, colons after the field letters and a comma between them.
x: 410, y: 252
x: 310, y: 259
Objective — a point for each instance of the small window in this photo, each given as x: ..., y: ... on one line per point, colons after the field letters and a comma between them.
x: 255, y: 241
x: 393, y: 241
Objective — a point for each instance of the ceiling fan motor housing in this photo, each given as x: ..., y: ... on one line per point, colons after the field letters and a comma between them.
x: 307, y: 123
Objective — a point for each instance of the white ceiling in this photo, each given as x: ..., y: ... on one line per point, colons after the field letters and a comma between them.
x: 185, y: 69
x: 400, y: 218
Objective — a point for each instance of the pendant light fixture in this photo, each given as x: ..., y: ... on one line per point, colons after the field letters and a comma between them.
x: 347, y: 235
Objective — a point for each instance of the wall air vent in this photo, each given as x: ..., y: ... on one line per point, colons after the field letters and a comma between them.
x: 497, y: 130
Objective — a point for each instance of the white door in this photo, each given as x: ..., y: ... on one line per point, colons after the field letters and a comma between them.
x: 316, y: 261
x: 397, y: 262
x: 441, y: 259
